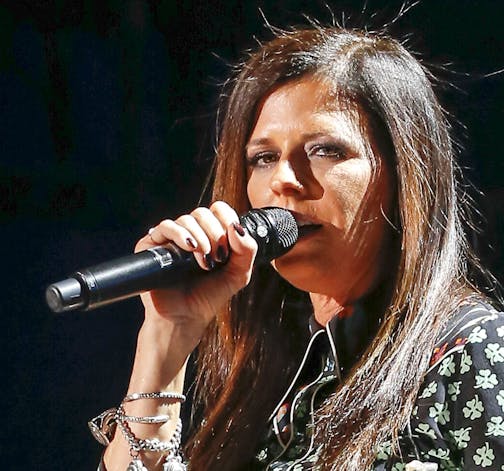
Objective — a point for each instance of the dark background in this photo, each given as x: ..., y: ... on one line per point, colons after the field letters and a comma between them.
x: 107, y: 111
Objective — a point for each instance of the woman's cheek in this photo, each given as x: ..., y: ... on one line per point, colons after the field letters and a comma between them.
x: 349, y: 188
x: 254, y: 191
x: 251, y: 190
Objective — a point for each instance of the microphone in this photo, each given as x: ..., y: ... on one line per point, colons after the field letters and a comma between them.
x: 274, y: 229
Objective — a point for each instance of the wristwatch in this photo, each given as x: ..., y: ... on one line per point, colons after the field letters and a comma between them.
x: 103, y: 426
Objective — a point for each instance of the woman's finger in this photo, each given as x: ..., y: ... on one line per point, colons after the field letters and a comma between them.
x: 215, y: 231
x: 169, y: 230
x: 227, y: 216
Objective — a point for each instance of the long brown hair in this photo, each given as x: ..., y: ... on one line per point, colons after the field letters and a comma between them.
x: 246, y: 358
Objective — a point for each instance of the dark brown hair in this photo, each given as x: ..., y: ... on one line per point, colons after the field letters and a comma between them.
x: 246, y: 359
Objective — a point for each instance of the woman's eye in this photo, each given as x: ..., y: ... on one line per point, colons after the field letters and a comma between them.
x: 325, y: 151
x: 262, y: 159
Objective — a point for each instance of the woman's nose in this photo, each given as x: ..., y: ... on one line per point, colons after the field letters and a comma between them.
x: 285, y: 179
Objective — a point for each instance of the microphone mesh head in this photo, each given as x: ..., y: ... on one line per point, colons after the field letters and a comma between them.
x: 274, y: 229
x: 285, y: 225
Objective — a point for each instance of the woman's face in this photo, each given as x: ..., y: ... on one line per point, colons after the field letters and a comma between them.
x: 323, y: 162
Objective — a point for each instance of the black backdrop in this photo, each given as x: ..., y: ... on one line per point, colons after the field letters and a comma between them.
x: 107, y: 111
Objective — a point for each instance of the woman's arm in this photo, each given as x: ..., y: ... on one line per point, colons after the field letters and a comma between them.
x: 176, y: 319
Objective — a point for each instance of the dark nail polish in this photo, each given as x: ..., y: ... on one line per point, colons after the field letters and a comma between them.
x: 222, y: 254
x: 191, y: 242
x: 239, y: 229
x: 209, y: 262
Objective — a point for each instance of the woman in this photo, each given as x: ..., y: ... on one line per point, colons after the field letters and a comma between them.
x: 343, y: 129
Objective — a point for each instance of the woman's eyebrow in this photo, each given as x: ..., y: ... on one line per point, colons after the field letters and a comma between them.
x: 337, y: 138
x: 307, y: 137
x: 258, y: 142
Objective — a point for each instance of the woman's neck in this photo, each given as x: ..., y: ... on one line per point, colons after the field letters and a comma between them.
x: 326, y: 307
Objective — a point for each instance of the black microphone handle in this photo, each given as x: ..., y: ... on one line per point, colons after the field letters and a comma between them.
x: 121, y: 278
x: 274, y: 229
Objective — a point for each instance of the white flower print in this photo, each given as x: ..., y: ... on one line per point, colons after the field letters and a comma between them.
x: 473, y: 409
x: 465, y: 362
x: 477, y: 335
x: 399, y: 467
x: 484, y: 456
x: 429, y: 390
x: 447, y: 367
x: 500, y: 399
x: 500, y: 333
x: 495, y: 353
x: 485, y: 379
x: 495, y: 427
x: 454, y: 390
x: 461, y: 437
x: 440, y: 453
x: 440, y: 413
x: 424, y: 429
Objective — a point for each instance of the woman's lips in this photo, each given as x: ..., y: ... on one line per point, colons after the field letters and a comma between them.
x: 303, y: 219
x: 308, y: 229
x: 306, y: 225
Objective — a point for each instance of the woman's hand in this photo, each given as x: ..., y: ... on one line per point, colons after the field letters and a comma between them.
x: 220, y: 245
x: 177, y: 316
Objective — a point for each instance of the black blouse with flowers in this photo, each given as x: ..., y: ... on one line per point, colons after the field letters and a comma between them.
x: 458, y: 419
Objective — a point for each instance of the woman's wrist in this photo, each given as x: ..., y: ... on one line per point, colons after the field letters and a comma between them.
x: 145, y: 439
x: 163, y: 348
x: 161, y: 354
x: 177, y: 337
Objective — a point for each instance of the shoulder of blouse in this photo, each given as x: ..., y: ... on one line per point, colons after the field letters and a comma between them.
x: 467, y: 327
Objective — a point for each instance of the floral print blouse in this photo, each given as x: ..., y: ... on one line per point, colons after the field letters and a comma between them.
x: 458, y: 419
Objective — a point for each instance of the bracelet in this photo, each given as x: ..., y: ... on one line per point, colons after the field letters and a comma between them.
x: 149, y: 419
x: 103, y: 427
x: 147, y: 444
x: 155, y: 395
x: 153, y: 419
x: 120, y: 416
x: 168, y: 465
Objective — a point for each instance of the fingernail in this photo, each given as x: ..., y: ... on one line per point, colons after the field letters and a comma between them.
x: 209, y: 262
x: 191, y: 242
x: 239, y: 229
x: 222, y: 254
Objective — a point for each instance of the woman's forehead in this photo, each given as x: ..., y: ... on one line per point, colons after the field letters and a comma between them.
x: 317, y: 89
x: 314, y: 98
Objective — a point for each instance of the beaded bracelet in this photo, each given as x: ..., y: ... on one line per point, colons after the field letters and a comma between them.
x: 155, y: 395
x: 120, y: 416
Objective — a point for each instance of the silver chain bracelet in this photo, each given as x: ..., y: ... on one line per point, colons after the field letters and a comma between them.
x: 173, y: 460
x: 148, y: 444
x: 103, y: 427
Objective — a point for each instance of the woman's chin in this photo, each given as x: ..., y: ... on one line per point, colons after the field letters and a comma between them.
x: 299, y: 272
